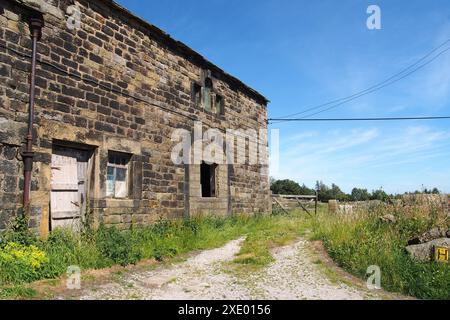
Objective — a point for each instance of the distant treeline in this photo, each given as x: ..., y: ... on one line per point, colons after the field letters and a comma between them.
x: 326, y: 192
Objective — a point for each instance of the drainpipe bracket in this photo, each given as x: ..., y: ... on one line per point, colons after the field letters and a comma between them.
x: 28, y: 160
x: 36, y: 25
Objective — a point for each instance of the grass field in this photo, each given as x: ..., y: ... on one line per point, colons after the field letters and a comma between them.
x: 354, y: 241
x: 361, y: 240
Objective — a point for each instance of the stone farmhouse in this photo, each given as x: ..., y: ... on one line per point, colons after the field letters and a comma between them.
x: 90, y: 96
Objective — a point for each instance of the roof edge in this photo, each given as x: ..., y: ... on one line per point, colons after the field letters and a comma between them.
x: 191, y: 55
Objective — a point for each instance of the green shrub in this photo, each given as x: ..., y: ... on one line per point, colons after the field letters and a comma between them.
x: 66, y: 248
x: 20, y: 263
x: 18, y: 231
x: 192, y: 225
x: 117, y: 246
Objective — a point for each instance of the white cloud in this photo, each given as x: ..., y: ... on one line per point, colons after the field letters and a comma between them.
x: 362, y: 157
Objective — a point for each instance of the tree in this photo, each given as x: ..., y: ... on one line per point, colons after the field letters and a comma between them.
x: 324, y: 191
x: 290, y: 187
x: 334, y: 193
x: 431, y: 191
x: 337, y: 193
x: 272, y: 181
x: 435, y: 191
x: 360, y: 194
x: 379, y: 195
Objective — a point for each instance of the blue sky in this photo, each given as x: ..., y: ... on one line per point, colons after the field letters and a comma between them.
x: 304, y: 53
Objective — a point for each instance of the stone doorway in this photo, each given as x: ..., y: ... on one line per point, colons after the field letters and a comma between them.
x: 69, y: 186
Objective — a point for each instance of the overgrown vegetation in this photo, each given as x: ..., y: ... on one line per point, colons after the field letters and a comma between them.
x: 358, y: 241
x: 271, y: 232
x: 24, y: 258
x: 354, y: 241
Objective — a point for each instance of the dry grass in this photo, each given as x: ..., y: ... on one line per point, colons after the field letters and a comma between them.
x: 360, y: 240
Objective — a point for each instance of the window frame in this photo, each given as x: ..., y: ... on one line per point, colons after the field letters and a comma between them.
x: 196, y: 95
x: 126, y: 167
x: 213, y: 169
x: 200, y: 95
x: 220, y: 105
x: 207, y: 93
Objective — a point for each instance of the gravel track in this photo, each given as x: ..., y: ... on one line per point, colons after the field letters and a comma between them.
x: 295, y: 274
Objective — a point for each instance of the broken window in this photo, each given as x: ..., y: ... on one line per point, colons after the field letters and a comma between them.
x: 196, y: 94
x: 207, y: 93
x: 208, y: 179
x: 117, y: 175
x: 220, y: 106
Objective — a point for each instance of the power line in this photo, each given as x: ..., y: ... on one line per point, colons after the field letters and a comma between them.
x: 362, y: 119
x: 391, y: 80
x: 379, y: 88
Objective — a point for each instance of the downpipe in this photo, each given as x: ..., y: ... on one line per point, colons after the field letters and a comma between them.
x: 36, y: 25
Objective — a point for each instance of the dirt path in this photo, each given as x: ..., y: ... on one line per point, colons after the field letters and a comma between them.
x: 297, y: 273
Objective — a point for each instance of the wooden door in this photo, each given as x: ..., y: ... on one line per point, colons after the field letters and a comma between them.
x: 69, y: 187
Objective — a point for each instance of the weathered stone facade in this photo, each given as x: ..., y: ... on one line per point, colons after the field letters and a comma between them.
x: 117, y: 84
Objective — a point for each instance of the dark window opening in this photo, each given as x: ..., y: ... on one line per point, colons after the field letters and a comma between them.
x: 208, y: 180
x: 220, y: 105
x: 196, y: 94
x: 208, y: 83
x: 207, y: 94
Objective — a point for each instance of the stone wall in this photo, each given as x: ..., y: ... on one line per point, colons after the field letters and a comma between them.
x: 118, y: 84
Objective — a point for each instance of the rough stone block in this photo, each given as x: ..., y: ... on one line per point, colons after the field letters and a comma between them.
x: 425, y: 252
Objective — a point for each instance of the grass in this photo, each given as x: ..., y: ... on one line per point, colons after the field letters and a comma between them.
x: 358, y: 241
x: 354, y: 241
x: 30, y: 259
x: 17, y: 292
x: 275, y: 232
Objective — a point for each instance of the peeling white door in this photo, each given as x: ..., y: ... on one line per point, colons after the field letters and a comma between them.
x: 68, y: 195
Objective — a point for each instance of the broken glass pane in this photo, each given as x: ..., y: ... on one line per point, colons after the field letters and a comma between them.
x: 207, y: 97
x: 121, y: 174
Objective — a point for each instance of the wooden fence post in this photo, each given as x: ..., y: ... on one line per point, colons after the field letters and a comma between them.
x: 315, y: 202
